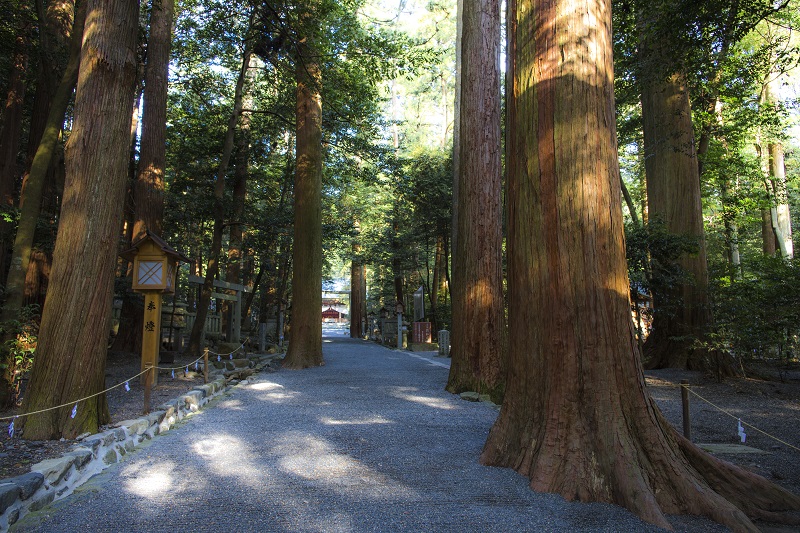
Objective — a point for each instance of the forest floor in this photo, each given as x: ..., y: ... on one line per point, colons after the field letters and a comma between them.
x: 768, y: 407
x: 771, y: 405
x: 17, y: 454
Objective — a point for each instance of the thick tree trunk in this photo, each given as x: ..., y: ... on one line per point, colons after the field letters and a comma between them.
x: 149, y: 187
x: 70, y: 358
x: 31, y: 198
x: 131, y: 320
x: 305, y: 345
x: 478, y: 319
x: 357, y: 303
x: 577, y: 418
x: 212, y: 268
x: 673, y: 194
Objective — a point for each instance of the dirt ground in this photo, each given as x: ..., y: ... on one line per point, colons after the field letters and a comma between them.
x: 770, y: 405
x: 17, y: 455
x: 769, y: 410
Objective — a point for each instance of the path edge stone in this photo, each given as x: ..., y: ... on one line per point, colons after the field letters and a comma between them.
x: 53, y: 479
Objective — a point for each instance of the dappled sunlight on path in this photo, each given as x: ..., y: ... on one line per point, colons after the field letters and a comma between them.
x: 368, y: 442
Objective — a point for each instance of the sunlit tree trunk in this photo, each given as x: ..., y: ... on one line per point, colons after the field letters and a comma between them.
x: 149, y: 187
x: 131, y: 320
x: 779, y: 212
x: 776, y: 183
x: 577, y: 418
x: 305, y: 345
x: 70, y: 357
x: 477, y: 290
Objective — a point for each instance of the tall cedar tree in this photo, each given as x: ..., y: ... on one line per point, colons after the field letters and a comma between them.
x: 71, y: 354
x: 31, y: 196
x: 577, y: 418
x: 682, y: 313
x: 477, y: 290
x: 358, y: 289
x: 149, y: 186
x: 305, y: 342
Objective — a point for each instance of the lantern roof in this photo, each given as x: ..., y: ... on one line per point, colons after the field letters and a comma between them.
x: 159, y: 243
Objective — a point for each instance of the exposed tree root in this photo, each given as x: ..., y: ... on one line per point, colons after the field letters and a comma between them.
x: 754, y: 495
x: 664, y: 352
x: 652, y: 472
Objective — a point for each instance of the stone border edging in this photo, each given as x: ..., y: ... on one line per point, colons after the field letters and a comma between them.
x: 54, y: 479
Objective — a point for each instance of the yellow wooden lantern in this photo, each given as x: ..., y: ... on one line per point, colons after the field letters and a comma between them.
x: 155, y: 267
x: 155, y: 264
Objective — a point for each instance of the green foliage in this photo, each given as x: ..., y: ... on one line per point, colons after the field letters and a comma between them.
x: 22, y: 335
x: 758, y: 316
x: 653, y: 255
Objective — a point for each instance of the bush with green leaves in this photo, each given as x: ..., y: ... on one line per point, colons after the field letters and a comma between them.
x: 758, y: 316
x: 22, y: 337
x: 653, y: 255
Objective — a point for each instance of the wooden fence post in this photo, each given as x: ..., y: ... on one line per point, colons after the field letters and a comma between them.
x: 148, y: 387
x: 205, y: 365
x: 687, y: 426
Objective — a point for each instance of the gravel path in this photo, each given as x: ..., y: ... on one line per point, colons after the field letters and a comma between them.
x: 369, y: 442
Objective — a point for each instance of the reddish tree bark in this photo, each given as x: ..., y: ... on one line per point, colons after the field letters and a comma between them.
x: 577, y: 418
x: 358, y: 292
x: 31, y: 200
x: 70, y: 358
x: 477, y: 292
x: 149, y: 187
x: 305, y: 345
x: 673, y: 198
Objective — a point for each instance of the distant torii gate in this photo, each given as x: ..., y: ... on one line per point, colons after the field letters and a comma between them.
x: 233, y: 331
